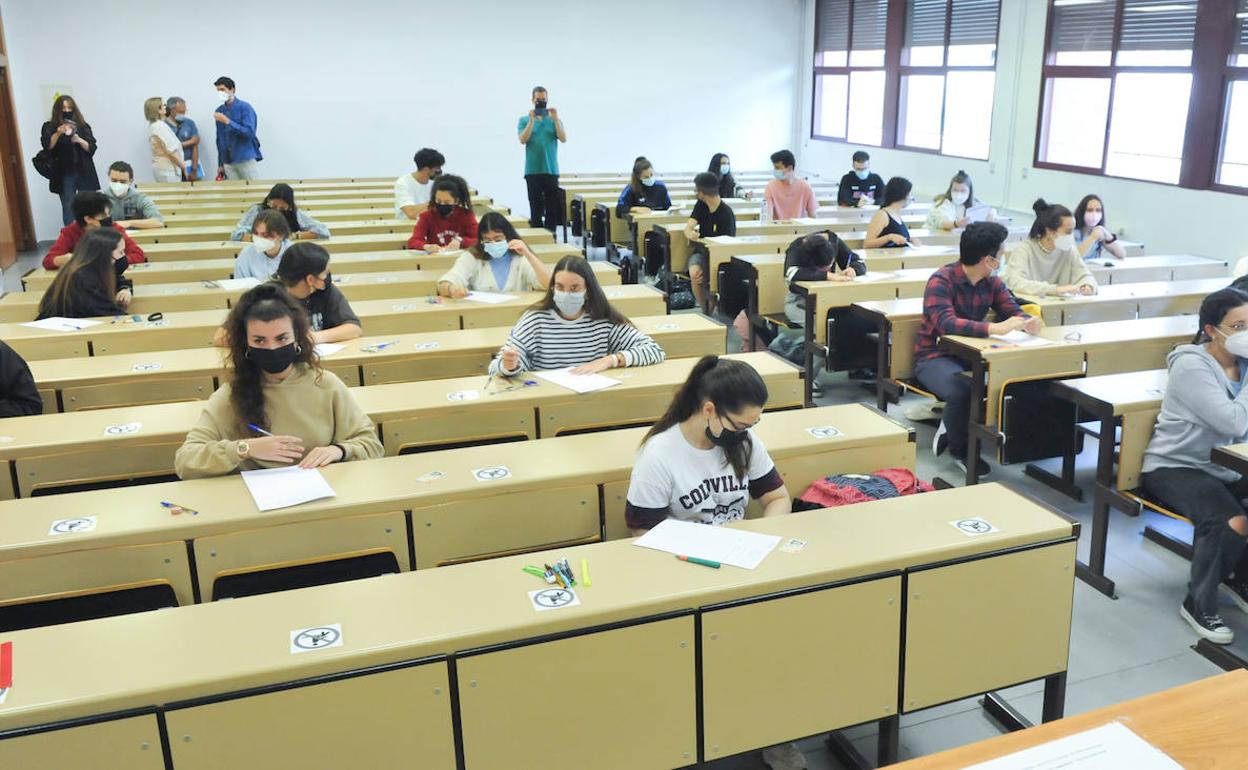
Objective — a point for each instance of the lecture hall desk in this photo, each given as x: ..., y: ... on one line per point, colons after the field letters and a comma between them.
x: 227, y: 222
x: 367, y: 225
x: 222, y: 679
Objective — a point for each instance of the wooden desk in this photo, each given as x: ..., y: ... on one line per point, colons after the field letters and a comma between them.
x: 1189, y: 723
x: 237, y: 207
x: 192, y: 374
x: 1158, y: 267
x: 241, y: 696
x: 897, y: 323
x: 47, y: 452
x: 1124, y: 404
x: 227, y: 222
x: 182, y: 271
x: 1124, y: 301
x: 363, y: 226
x: 1081, y: 350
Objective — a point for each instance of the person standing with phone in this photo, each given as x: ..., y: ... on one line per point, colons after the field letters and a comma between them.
x: 540, y: 132
x: 68, y: 139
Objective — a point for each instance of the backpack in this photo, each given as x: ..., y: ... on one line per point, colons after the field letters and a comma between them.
x: 850, y: 488
x: 43, y: 163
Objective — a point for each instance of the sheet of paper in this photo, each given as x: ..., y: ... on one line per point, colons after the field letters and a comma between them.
x: 722, y: 239
x: 978, y: 213
x: 328, y: 349
x: 1022, y: 339
x: 275, y: 488
x: 577, y: 383
x: 59, y: 324
x: 237, y: 284
x: 725, y: 545
x: 869, y: 277
x: 1109, y: 747
x: 488, y: 297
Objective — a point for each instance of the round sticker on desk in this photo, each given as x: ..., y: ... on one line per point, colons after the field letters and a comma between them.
x: 553, y: 599
x: 149, y: 366
x: 123, y: 429
x: 72, y: 526
x: 823, y: 431
x: 666, y: 327
x: 494, y: 473
x: 974, y: 526
x: 315, y: 638
x: 403, y: 308
x: 427, y: 345
x: 463, y: 395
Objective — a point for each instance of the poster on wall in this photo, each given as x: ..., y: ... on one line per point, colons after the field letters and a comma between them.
x: 50, y: 92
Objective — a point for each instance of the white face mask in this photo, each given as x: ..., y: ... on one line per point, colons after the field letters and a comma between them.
x: 263, y: 244
x: 569, y: 303
x: 960, y: 197
x: 780, y: 174
x: 1236, y: 344
x: 223, y: 96
x: 1064, y: 242
x: 119, y: 188
x: 495, y: 249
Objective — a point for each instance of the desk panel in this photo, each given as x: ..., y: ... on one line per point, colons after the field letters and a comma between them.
x: 132, y: 743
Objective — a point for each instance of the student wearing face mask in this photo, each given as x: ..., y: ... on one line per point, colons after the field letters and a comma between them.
x: 91, y: 210
x: 448, y: 224
x: 500, y: 261
x: 164, y: 144
x: 93, y: 282
x: 1206, y: 406
x: 304, y: 273
x: 70, y: 144
x: 188, y: 134
x: 1048, y: 262
x: 574, y: 326
x: 412, y: 191
x: 644, y: 192
x: 721, y: 166
x: 270, y: 237
x: 238, y: 147
x: 1092, y: 235
x: 886, y: 230
x: 275, y: 383
x: 129, y: 207
x: 281, y: 198
x: 788, y: 196
x: 952, y: 208
x: 710, y: 217
x: 956, y: 300
x: 860, y: 186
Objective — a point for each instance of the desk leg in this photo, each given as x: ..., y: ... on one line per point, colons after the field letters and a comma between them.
x: 976, y: 412
x: 808, y: 351
x: 632, y: 239
x: 886, y: 747
x: 882, y: 371
x: 1219, y: 656
x: 845, y: 753
x: 1093, y: 573
x: 1054, y: 697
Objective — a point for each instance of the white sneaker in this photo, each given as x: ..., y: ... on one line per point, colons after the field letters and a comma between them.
x: 785, y: 756
x: 938, y: 446
x: 925, y: 410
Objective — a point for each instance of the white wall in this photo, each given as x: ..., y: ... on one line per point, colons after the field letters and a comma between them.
x: 1144, y: 211
x: 355, y: 88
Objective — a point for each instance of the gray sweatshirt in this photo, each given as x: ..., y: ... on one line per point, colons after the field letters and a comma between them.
x: 1200, y: 411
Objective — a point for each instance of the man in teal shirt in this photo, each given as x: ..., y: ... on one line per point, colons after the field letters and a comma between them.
x: 540, y: 133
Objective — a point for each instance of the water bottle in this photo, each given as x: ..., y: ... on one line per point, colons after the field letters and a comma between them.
x: 764, y: 213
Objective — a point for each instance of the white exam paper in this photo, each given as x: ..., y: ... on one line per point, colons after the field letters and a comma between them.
x: 978, y: 213
x: 1109, y: 747
x: 577, y: 383
x: 488, y: 297
x: 725, y: 545
x: 238, y: 284
x: 59, y: 324
x: 1022, y: 339
x: 328, y: 349
x: 275, y: 488
x: 869, y: 277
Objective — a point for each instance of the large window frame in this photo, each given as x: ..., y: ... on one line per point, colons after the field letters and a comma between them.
x: 894, y: 72
x: 1211, y: 74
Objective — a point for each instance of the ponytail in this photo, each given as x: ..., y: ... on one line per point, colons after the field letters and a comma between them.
x: 1048, y: 217
x: 729, y: 385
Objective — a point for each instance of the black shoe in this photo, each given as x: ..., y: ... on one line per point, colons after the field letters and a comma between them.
x: 1210, y: 627
x: 1237, y: 590
x: 862, y: 374
x: 982, y: 468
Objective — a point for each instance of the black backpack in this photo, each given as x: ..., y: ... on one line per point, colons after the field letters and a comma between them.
x: 43, y: 163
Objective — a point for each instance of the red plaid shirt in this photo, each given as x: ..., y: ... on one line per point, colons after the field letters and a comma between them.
x: 952, y: 305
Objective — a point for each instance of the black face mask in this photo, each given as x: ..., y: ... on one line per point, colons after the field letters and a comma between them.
x: 727, y: 438
x: 274, y: 360
x: 329, y: 281
x: 68, y: 115
x: 106, y: 222
x: 540, y: 104
x: 292, y: 220
x: 444, y: 209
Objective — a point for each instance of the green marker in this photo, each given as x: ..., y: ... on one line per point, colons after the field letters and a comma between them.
x: 703, y: 562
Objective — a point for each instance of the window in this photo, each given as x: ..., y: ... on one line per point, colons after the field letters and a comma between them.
x: 1146, y: 89
x: 914, y: 74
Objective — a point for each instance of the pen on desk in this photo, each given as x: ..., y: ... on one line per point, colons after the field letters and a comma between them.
x: 258, y: 429
x: 703, y: 562
x: 176, y: 509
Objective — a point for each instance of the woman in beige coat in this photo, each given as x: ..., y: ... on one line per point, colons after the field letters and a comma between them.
x: 1048, y: 262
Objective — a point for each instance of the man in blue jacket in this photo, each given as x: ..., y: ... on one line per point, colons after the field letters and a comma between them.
x: 238, y: 149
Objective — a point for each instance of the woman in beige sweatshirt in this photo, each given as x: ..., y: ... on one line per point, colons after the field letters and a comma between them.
x: 1048, y: 262
x: 279, y: 407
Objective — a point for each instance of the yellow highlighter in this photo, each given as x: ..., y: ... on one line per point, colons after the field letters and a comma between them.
x: 585, y: 573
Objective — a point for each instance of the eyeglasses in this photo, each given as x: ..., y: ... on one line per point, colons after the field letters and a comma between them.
x: 734, y: 425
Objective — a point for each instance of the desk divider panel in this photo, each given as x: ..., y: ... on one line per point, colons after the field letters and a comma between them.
x: 131, y: 742
x: 75, y: 573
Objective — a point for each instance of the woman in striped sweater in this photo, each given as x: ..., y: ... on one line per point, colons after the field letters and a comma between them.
x: 574, y: 326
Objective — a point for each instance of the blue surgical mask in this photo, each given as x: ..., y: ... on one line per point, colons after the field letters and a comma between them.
x: 648, y: 181
x: 495, y: 249
x: 179, y: 118
x: 863, y: 173
x: 724, y: 168
x: 569, y: 303
x: 779, y: 173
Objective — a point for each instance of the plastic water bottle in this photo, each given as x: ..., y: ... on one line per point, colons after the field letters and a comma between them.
x: 764, y: 213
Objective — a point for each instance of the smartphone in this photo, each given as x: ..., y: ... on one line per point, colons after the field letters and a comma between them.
x: 539, y: 108
x: 72, y: 125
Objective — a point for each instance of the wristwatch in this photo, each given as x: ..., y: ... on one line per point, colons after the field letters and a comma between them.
x: 243, y: 450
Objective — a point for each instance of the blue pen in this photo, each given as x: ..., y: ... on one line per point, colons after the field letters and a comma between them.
x: 258, y: 429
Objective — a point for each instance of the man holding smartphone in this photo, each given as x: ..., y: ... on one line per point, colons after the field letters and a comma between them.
x: 540, y: 133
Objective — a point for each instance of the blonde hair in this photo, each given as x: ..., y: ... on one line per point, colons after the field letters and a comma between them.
x: 151, y: 109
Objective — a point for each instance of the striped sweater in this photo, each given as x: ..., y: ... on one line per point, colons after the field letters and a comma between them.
x: 546, y: 340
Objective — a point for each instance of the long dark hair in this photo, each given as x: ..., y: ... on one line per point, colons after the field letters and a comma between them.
x: 456, y: 186
x: 57, y: 110
x: 266, y: 302
x: 1049, y: 216
x: 1082, y: 209
x: 727, y: 182
x: 1215, y: 307
x: 492, y: 222
x: 639, y: 167
x: 897, y: 189
x: 92, y: 261
x: 285, y: 193
x: 301, y: 260
x: 959, y: 178
x: 596, y: 304
x: 731, y: 386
